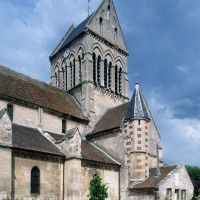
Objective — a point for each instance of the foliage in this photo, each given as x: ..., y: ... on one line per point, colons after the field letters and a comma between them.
x: 98, y: 190
x: 166, y: 198
x: 194, y: 172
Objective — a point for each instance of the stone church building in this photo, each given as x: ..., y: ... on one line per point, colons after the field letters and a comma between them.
x: 55, y: 137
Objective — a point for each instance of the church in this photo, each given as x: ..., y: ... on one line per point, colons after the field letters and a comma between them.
x: 55, y: 137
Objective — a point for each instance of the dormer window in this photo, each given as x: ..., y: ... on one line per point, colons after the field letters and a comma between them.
x: 101, y: 24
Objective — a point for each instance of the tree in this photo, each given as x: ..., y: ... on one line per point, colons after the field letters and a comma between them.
x: 98, y: 190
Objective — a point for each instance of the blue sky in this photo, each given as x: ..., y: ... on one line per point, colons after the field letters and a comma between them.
x: 163, y: 38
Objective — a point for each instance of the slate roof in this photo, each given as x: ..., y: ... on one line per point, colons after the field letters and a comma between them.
x: 91, y: 153
x: 112, y: 119
x: 31, y: 139
x: 74, y: 34
x: 152, y: 181
x: 21, y: 87
x: 88, y: 151
x: 137, y: 108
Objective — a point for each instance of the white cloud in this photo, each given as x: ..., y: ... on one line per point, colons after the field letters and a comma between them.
x: 183, y: 68
x: 180, y: 137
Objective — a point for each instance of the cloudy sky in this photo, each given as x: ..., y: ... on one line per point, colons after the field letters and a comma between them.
x: 163, y: 38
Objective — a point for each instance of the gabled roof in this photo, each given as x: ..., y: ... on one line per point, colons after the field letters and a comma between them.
x: 152, y: 181
x: 31, y: 139
x: 137, y: 108
x: 112, y: 119
x: 20, y: 87
x: 73, y: 34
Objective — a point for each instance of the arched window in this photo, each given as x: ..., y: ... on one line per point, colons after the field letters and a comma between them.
x: 63, y: 77
x: 10, y: 111
x: 63, y: 126
x: 94, y: 67
x: 99, y: 70
x: 109, y: 74
x: 101, y: 24
x: 115, y: 33
x: 116, y: 79
x: 74, y: 72
x: 108, y: 12
x: 71, y: 71
x: 66, y: 77
x: 35, y: 180
x: 80, y: 67
x: 120, y: 80
x: 105, y: 73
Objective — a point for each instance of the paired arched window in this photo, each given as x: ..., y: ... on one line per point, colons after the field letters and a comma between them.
x: 10, y: 111
x: 96, y: 69
x: 73, y: 73
x: 35, y: 180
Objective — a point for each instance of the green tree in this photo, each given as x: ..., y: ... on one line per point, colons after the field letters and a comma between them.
x: 194, y: 172
x: 98, y: 190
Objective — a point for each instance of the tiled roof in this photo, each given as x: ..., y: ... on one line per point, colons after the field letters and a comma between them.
x: 152, y: 181
x: 137, y: 108
x: 31, y: 139
x: 56, y: 137
x: 26, y: 89
x: 91, y: 153
x: 111, y: 119
x: 74, y: 33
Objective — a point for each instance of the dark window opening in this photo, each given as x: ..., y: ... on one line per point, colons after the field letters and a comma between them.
x: 71, y: 71
x: 94, y: 67
x: 101, y: 24
x: 120, y: 80
x: 116, y: 79
x: 99, y: 70
x: 10, y: 111
x: 138, y: 122
x: 63, y: 126
x: 35, y: 180
x: 74, y: 72
x: 105, y: 73
x: 66, y: 77
x: 109, y: 75
x: 115, y: 34
x: 80, y: 68
x: 108, y: 12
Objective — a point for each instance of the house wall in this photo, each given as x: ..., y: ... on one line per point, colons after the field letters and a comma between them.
x: 5, y: 172
x: 50, y: 175
x: 108, y: 173
x: 142, y: 195
x: 177, y: 179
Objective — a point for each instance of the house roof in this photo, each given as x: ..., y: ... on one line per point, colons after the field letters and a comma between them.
x: 21, y: 87
x: 111, y: 119
x: 92, y: 153
x: 31, y: 139
x: 137, y: 108
x: 152, y: 181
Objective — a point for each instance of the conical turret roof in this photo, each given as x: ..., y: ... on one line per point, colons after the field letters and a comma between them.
x: 137, y: 108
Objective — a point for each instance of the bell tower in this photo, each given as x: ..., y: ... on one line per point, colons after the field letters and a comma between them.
x: 90, y: 62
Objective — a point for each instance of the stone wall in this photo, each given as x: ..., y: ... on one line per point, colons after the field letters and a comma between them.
x: 5, y: 172
x: 108, y: 173
x: 51, y: 177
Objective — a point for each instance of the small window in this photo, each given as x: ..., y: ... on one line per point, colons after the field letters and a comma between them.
x: 115, y: 33
x: 35, y: 180
x: 101, y: 24
x: 169, y: 193
x: 63, y: 126
x: 10, y: 111
x: 183, y: 194
x: 108, y: 12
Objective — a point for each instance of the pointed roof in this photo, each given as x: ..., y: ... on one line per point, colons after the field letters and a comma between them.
x: 137, y: 108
